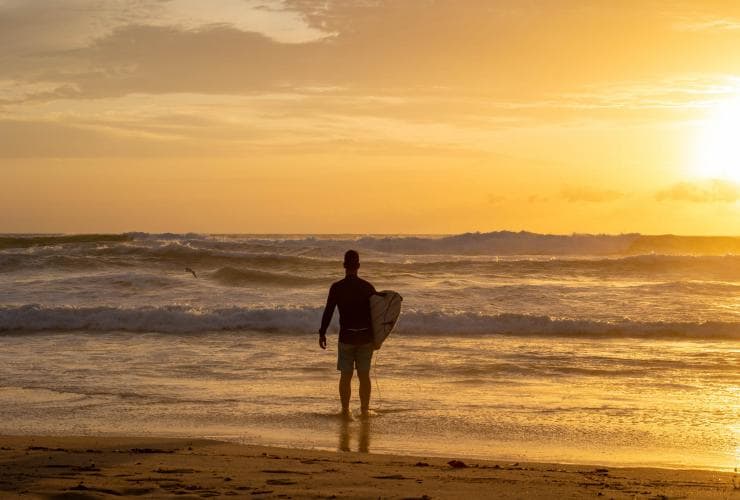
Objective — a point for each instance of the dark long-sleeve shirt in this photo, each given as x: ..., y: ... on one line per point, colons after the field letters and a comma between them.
x: 352, y: 296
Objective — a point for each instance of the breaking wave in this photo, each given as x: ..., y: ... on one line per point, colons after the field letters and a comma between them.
x: 491, y: 243
x: 181, y: 319
x: 27, y: 241
x: 526, y: 243
x: 229, y: 263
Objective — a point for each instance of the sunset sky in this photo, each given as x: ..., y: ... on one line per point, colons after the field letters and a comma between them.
x: 364, y: 116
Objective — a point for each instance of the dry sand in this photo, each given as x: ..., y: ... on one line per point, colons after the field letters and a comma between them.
x: 102, y: 467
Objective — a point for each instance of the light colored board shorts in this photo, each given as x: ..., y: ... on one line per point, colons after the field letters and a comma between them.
x: 351, y: 356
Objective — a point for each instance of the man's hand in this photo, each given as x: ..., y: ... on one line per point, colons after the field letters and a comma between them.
x: 322, y: 341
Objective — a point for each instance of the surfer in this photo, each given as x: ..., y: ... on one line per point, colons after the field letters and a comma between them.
x: 355, y: 347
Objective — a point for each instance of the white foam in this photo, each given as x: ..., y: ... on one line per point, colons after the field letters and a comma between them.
x: 181, y: 319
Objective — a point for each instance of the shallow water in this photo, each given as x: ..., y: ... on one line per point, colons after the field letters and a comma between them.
x: 619, y: 402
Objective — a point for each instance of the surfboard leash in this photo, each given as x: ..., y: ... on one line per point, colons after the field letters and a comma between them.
x: 375, y: 376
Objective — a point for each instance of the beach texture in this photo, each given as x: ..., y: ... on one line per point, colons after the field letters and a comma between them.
x: 103, y: 467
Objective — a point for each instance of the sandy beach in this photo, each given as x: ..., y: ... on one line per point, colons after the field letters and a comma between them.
x: 103, y: 467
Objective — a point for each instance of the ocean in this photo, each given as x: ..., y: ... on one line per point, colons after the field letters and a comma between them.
x: 615, y: 350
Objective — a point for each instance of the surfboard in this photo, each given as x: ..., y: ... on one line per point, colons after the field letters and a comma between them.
x: 385, y: 308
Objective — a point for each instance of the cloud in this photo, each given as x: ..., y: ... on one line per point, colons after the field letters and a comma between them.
x: 184, y: 134
x: 115, y: 47
x: 710, y: 191
x: 119, y: 47
x: 43, y: 139
x: 217, y: 59
x: 495, y: 199
x: 28, y: 27
x: 685, y: 92
x: 423, y: 73
x: 536, y: 198
x: 709, y: 24
x: 575, y: 194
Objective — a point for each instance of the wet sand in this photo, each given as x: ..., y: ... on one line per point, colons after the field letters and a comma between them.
x: 104, y: 467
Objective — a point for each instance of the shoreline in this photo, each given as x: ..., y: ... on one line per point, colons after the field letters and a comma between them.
x: 101, y: 467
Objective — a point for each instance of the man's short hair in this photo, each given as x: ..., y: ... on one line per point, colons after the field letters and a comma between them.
x: 351, y: 259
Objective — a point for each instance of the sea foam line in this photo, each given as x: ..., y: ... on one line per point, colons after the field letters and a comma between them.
x: 183, y: 319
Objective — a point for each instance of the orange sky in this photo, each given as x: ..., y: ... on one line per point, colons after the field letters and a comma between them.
x: 414, y: 116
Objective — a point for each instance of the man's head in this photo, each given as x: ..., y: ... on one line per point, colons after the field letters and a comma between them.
x: 351, y: 261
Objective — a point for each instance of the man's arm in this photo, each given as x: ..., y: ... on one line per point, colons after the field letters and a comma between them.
x: 331, y: 303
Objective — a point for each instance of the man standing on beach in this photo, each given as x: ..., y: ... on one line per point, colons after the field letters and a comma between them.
x: 355, y: 346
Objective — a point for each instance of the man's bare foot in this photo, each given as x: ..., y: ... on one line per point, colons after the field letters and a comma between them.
x: 346, y: 414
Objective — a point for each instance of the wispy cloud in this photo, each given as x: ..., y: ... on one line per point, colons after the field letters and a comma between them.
x: 588, y: 194
x: 705, y: 23
x: 710, y: 191
x: 668, y: 93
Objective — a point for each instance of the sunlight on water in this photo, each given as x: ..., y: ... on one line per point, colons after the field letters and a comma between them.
x: 569, y: 400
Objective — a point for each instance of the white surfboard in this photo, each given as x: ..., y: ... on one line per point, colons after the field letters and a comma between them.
x: 385, y: 308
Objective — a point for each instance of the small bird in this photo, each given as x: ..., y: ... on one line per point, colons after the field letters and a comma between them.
x: 191, y: 271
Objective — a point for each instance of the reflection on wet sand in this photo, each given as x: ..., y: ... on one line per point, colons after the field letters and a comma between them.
x: 362, y: 430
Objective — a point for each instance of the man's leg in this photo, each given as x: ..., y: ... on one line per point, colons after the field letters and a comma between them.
x: 345, y: 365
x: 345, y: 390
x: 364, y: 362
x: 365, y: 387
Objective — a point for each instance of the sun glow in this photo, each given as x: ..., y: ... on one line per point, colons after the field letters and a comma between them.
x: 718, y: 145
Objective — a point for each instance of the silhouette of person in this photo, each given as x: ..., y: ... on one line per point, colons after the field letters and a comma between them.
x: 355, y: 347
